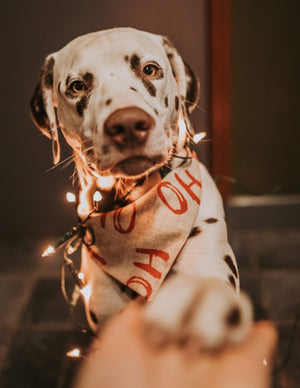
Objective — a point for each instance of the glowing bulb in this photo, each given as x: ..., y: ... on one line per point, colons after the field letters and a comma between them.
x: 75, y: 353
x: 86, y: 292
x: 265, y: 362
x: 71, y: 249
x: 106, y: 182
x: 48, y: 251
x: 182, y: 128
x: 97, y: 196
x: 80, y: 275
x: 198, y: 137
x: 71, y: 197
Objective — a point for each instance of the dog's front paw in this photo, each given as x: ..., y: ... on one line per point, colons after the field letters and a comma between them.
x: 205, y: 313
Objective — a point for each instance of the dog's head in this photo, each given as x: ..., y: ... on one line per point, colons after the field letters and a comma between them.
x: 117, y: 96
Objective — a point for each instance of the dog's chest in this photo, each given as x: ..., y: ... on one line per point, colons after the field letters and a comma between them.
x: 138, y: 244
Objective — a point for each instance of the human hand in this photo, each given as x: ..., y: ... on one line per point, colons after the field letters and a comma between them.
x: 122, y: 357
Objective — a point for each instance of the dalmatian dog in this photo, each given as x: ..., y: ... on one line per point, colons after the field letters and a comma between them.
x: 122, y: 99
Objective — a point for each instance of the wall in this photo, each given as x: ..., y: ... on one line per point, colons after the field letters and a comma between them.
x: 266, y: 134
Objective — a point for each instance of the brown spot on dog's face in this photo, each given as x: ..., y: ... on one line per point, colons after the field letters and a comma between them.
x: 107, y: 102
x: 88, y: 78
x: 195, y: 231
x: 166, y: 101
x: 231, y: 265
x: 150, y: 87
x: 58, y: 88
x: 135, y: 63
x: 132, y: 88
x: 126, y: 58
x: 81, y: 105
x: 232, y: 281
x: 211, y: 220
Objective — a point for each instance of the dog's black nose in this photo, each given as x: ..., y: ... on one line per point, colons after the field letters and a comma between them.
x: 128, y: 126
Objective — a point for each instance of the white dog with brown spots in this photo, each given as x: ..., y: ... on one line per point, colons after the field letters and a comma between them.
x: 122, y: 99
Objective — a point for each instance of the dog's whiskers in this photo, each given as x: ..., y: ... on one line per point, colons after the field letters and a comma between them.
x: 198, y: 106
x: 64, y: 163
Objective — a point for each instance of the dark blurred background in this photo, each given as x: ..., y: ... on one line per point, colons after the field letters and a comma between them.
x: 263, y: 153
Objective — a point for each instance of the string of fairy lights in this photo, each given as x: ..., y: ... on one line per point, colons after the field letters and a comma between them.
x: 73, y: 239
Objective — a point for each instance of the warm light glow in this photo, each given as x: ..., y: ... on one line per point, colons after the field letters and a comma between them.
x: 71, y: 197
x: 86, y: 292
x: 75, y: 353
x: 105, y: 182
x: 80, y: 275
x: 198, y: 137
x: 48, y: 251
x: 84, y: 206
x: 71, y: 249
x: 265, y: 362
x: 182, y: 128
x: 97, y: 196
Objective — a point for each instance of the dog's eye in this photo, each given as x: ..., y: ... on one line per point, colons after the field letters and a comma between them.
x: 151, y: 70
x: 78, y: 86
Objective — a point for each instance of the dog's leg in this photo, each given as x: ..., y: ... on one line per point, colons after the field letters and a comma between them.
x: 200, y: 302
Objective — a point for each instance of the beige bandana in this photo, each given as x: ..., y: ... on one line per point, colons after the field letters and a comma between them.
x: 138, y: 244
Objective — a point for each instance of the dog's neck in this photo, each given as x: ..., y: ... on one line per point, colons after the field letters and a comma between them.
x: 123, y: 191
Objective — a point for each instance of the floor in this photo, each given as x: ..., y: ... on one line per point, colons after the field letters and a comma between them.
x: 37, y: 331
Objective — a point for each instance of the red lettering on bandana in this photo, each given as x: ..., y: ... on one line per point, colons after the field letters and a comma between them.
x: 181, y: 200
x: 103, y: 219
x: 187, y: 187
x: 117, y: 219
x: 95, y: 256
x: 143, y: 282
x: 148, y: 266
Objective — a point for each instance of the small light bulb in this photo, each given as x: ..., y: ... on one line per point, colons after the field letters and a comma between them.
x: 86, y: 292
x: 105, y: 182
x: 71, y: 197
x: 75, y: 353
x: 48, y: 251
x: 97, y: 196
x: 198, y: 137
x: 182, y: 128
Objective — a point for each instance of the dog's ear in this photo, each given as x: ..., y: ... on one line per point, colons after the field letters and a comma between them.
x: 192, y: 89
x: 42, y: 107
x: 188, y: 82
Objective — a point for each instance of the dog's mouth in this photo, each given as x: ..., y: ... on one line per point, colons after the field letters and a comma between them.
x: 136, y: 166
